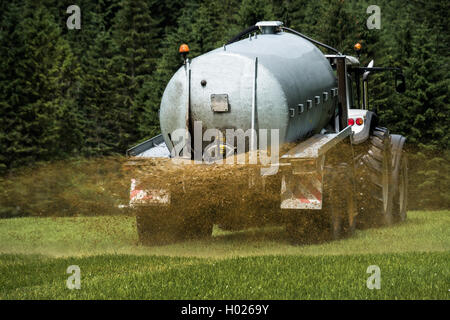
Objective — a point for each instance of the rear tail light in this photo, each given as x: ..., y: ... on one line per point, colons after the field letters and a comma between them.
x: 359, y: 121
x: 351, y: 121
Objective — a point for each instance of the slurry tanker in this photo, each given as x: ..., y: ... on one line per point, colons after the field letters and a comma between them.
x: 268, y: 130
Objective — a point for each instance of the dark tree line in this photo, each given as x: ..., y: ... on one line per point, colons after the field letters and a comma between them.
x: 96, y: 91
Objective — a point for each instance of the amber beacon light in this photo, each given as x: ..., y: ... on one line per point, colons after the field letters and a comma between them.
x: 358, y: 48
x: 184, y: 50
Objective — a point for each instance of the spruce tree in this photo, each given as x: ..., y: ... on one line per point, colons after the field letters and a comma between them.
x: 429, y: 108
x: 339, y: 29
x: 250, y: 12
x: 134, y: 61
x: 306, y: 16
x: 101, y: 121
x: 10, y: 50
x: 151, y: 93
x: 38, y: 100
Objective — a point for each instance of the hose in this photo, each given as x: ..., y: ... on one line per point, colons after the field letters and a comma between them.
x: 311, y: 40
x: 242, y: 33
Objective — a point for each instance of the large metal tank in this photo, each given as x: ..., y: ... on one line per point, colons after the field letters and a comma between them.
x: 295, y: 88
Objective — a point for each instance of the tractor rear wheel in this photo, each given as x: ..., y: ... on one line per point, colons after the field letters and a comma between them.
x: 401, y: 194
x: 197, y: 227
x: 160, y: 225
x: 156, y: 227
x: 374, y: 179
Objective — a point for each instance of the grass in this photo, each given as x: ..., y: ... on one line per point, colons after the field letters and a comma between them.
x: 255, y: 264
x: 84, y: 236
x: 403, y: 276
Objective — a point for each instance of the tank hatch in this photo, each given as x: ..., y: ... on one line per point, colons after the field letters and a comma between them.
x: 269, y: 27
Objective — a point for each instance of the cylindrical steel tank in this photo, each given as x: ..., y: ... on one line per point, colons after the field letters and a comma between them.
x: 295, y: 88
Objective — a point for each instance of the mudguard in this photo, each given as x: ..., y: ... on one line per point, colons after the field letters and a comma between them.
x: 302, y: 186
x: 362, y: 133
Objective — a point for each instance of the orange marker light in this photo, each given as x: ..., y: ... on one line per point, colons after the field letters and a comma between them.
x: 358, y: 46
x: 184, y: 48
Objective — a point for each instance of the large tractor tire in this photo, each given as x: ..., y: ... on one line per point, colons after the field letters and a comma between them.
x: 374, y: 180
x: 196, y: 227
x: 401, y: 194
x: 155, y: 226
x: 336, y: 220
x: 160, y: 226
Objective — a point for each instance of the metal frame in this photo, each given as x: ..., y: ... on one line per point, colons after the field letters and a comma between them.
x: 317, y: 145
x: 253, y: 119
x: 144, y: 146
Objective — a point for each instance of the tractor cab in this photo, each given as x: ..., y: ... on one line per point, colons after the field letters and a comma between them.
x: 353, y: 89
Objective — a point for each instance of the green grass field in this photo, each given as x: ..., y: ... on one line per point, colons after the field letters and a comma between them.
x: 253, y: 264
